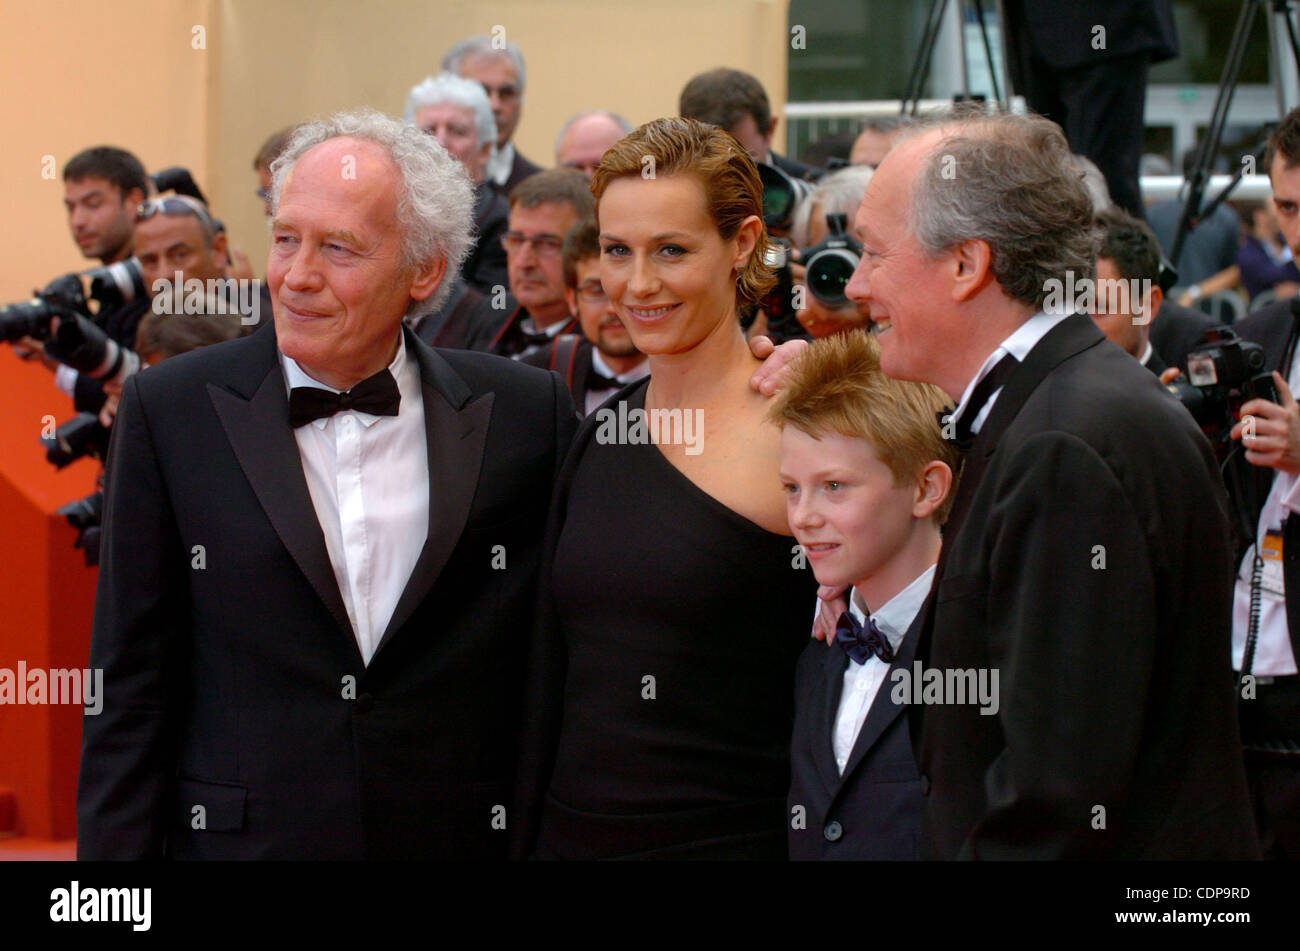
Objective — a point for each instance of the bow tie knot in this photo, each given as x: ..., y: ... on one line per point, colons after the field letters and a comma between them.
x: 377, y: 395
x: 862, y: 641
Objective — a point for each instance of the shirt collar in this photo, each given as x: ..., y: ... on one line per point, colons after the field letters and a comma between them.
x: 600, y: 366
x: 500, y: 163
x: 1146, y: 354
x: 527, y: 325
x: 295, y: 375
x: 897, y: 614
x: 1023, y: 339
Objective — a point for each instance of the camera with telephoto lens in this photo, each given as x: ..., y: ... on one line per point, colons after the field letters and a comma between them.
x: 86, y: 516
x: 782, y: 196
x: 83, y: 435
x: 1223, y: 373
x: 77, y: 342
x: 115, y: 285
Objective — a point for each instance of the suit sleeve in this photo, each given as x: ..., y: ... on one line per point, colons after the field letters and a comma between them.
x: 1072, y: 615
x: 139, y: 641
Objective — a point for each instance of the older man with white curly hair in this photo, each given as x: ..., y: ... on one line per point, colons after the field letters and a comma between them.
x: 321, y: 544
x: 457, y: 113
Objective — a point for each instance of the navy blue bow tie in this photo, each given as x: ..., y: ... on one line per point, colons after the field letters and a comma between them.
x: 861, y: 642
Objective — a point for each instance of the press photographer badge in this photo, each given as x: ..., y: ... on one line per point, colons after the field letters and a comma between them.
x: 1270, y: 578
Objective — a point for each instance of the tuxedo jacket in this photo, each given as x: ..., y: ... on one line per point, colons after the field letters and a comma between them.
x: 239, y: 720
x: 520, y: 169
x: 873, y: 809
x: 1087, y: 561
x: 570, y: 356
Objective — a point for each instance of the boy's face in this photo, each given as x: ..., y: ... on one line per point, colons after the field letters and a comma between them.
x: 843, y: 506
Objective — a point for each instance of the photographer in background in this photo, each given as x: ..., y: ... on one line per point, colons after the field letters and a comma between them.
x: 838, y: 193
x: 1268, y: 589
x: 101, y: 188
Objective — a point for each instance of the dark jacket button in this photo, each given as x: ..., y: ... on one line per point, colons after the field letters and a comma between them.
x: 833, y: 831
x: 365, y: 703
x: 925, y: 785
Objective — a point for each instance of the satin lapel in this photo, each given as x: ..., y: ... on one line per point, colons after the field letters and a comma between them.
x: 260, y: 435
x: 455, y: 435
x: 835, y: 663
x: 883, y: 710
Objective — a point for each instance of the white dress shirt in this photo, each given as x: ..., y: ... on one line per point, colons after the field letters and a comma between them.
x: 1273, y: 654
x: 499, y: 163
x: 369, y: 482
x: 600, y: 366
x: 862, y: 681
x: 1022, y: 340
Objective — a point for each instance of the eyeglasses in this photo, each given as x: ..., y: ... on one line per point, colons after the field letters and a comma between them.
x: 174, y: 205
x: 263, y: 194
x: 592, y: 292
x: 544, y: 245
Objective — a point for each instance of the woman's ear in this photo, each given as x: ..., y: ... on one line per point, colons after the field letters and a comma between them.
x: 746, y: 241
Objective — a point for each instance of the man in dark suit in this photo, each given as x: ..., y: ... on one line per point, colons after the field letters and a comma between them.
x: 1128, y: 298
x: 316, y: 539
x: 1084, y: 66
x: 1086, y: 557
x: 500, y: 69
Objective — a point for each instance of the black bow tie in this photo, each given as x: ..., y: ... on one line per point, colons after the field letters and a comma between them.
x: 376, y: 395
x: 962, y: 437
x: 861, y: 641
x: 597, y: 381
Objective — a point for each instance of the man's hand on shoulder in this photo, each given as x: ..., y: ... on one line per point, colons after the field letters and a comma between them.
x: 771, y: 376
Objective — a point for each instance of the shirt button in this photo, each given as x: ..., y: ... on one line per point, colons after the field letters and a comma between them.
x: 833, y: 831
x: 862, y: 685
x: 840, y: 762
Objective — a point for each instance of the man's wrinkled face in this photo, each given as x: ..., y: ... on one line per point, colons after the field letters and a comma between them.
x: 166, y: 244
x: 453, y: 127
x: 100, y: 217
x: 497, y: 76
x: 337, y: 270
x: 533, y: 262
x: 907, y: 293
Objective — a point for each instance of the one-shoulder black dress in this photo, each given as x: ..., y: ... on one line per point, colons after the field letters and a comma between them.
x: 680, y: 623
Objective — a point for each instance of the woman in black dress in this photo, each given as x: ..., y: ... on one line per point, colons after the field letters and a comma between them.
x: 677, y: 603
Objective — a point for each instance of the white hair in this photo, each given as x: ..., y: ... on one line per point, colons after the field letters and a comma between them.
x: 456, y: 91
x: 612, y: 116
x: 436, y: 201
x: 484, y: 46
x: 838, y: 193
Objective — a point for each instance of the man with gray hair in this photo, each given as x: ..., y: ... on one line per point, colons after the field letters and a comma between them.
x: 1085, y: 566
x: 456, y: 112
x: 586, y: 137
x: 499, y: 68
x: 319, y: 543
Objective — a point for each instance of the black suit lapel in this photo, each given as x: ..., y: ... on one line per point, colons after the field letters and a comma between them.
x: 455, y: 434
x: 255, y: 415
x: 835, y: 663
x: 1072, y: 335
x: 883, y: 710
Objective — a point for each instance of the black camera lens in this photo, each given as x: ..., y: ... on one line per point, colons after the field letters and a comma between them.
x: 829, y: 273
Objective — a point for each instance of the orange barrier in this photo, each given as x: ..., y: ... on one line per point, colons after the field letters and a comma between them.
x: 46, y: 602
